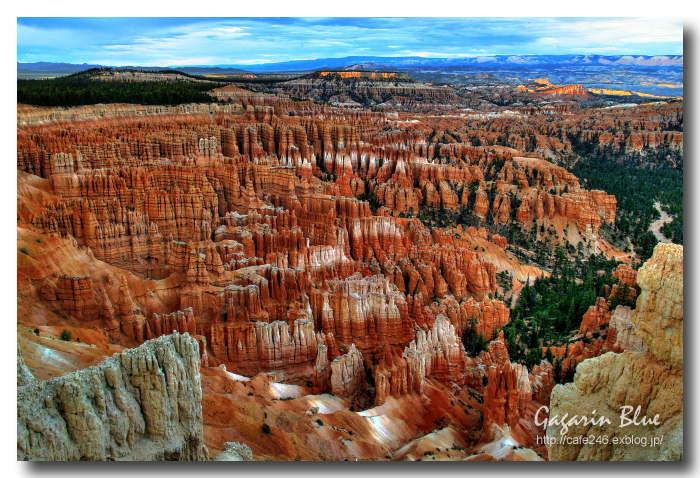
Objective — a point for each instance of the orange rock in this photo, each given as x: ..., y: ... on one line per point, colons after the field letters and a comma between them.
x: 596, y: 317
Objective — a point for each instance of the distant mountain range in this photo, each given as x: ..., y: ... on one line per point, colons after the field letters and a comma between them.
x: 503, y: 61
x: 479, y: 61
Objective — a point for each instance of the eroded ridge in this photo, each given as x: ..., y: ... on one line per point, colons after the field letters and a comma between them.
x: 141, y: 404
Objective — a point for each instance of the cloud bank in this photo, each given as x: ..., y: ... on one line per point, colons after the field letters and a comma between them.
x: 250, y: 41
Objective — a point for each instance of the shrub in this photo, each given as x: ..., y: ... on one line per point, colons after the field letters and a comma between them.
x: 24, y: 250
x: 320, y: 422
x: 352, y: 408
x: 66, y: 335
x: 36, y: 331
x: 266, y: 429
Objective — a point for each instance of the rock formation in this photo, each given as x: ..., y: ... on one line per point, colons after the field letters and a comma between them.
x: 142, y: 404
x: 24, y: 375
x: 596, y: 317
x: 659, y: 313
x: 622, y: 334
x: 353, y: 88
x: 348, y: 376
x: 235, y: 452
x: 649, y: 384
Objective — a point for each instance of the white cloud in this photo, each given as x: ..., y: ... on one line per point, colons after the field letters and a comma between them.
x: 231, y: 29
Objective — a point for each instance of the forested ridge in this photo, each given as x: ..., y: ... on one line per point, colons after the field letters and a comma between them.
x: 83, y: 89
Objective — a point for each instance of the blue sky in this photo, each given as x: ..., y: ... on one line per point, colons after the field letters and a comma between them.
x: 248, y: 41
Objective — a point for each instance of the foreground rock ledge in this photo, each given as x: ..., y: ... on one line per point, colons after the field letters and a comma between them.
x: 142, y: 404
x: 651, y: 380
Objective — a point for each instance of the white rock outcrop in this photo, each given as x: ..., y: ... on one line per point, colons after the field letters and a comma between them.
x: 142, y: 404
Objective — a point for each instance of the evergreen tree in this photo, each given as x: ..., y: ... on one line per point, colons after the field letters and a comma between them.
x: 481, y: 344
x: 557, y: 371
x: 549, y: 355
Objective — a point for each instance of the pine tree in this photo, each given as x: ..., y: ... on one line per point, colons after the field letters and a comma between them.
x: 481, y: 344
x: 572, y: 309
x: 549, y: 355
x: 557, y: 371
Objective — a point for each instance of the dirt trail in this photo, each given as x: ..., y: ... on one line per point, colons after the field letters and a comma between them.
x: 659, y: 223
